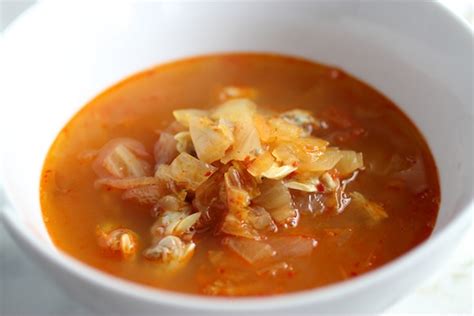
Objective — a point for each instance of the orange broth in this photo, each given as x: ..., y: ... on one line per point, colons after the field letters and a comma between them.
x: 400, y: 173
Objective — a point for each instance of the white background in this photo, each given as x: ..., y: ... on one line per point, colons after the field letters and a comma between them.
x: 24, y: 290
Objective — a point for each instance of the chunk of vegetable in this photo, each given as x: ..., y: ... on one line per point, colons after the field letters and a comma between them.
x: 277, y: 172
x: 189, y: 171
x: 283, y: 130
x: 246, y: 139
x: 261, y: 164
x: 210, y: 140
x: 210, y: 200
x: 184, y: 116
x: 292, y: 246
x: 276, y: 199
x: 374, y: 210
x: 323, y: 162
x: 122, y: 158
x: 184, y: 143
x: 261, y: 220
x: 251, y: 251
x: 165, y: 149
x: 274, y: 270
x: 309, y: 186
x: 349, y: 162
x: 330, y: 184
x: 238, y: 201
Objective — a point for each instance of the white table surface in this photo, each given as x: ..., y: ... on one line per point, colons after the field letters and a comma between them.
x: 25, y: 290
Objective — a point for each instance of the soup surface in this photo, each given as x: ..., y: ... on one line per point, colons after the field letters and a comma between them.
x: 295, y: 176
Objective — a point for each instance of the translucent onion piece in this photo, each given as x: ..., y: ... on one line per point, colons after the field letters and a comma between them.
x: 308, y: 154
x: 312, y: 144
x: 121, y: 158
x: 326, y: 161
x: 289, y: 153
x: 283, y: 130
x: 264, y: 129
x: 163, y: 173
x: 300, y: 186
x: 210, y: 140
x: 251, y: 251
x: 350, y: 162
x: 184, y: 143
x: 210, y: 199
x: 276, y: 269
x: 175, y: 128
x: 339, y: 235
x: 276, y: 199
x: 374, y: 210
x: 261, y: 220
x: 184, y: 116
x: 246, y: 139
x: 120, y: 241
x: 238, y: 201
x: 234, y: 110
x: 292, y: 246
x: 330, y: 184
x: 165, y: 149
x: 189, y: 171
x: 237, y: 92
x: 261, y: 164
x: 277, y: 172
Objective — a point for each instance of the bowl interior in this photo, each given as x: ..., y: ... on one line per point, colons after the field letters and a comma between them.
x: 54, y: 63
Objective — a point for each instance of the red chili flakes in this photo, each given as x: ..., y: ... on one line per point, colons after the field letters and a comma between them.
x: 334, y: 173
x: 320, y: 187
x: 335, y: 74
x: 207, y: 174
x: 291, y: 273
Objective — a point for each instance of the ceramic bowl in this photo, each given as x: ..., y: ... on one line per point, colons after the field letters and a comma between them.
x: 59, y: 55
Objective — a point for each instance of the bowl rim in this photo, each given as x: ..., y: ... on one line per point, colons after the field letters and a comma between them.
x: 118, y: 286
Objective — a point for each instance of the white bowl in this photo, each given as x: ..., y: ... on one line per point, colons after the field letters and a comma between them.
x: 57, y: 56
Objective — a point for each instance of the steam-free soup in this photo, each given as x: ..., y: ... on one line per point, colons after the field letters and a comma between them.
x: 239, y: 175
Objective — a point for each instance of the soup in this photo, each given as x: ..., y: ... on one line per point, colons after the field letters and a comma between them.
x: 239, y: 175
